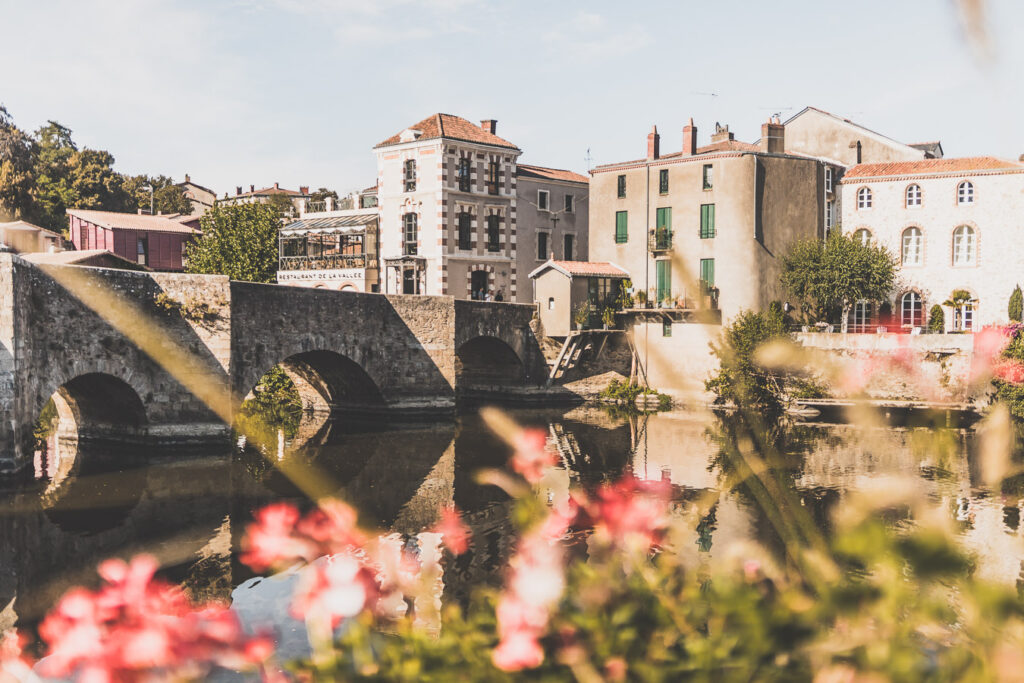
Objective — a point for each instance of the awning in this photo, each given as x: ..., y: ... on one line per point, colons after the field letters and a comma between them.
x: 334, y: 225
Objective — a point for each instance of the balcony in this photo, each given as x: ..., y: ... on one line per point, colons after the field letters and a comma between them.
x: 327, y: 262
x: 659, y: 240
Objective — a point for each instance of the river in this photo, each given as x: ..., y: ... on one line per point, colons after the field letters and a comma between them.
x: 190, y: 508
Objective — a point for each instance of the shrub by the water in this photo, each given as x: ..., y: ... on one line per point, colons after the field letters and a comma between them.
x: 739, y: 379
x: 936, y: 319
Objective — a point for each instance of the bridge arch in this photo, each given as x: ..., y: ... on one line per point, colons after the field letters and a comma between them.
x: 97, y: 404
x: 328, y: 381
x: 487, y: 360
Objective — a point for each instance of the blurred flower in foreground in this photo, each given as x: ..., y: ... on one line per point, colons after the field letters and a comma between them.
x: 630, y: 513
x: 532, y: 455
x: 454, y: 532
x: 279, y: 537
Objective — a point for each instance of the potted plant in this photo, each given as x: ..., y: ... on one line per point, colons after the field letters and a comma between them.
x: 581, y: 315
x: 608, y: 317
x: 641, y: 299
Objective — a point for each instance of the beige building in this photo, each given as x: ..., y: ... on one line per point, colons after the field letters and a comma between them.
x: 201, y: 198
x: 952, y: 224
x: 26, y: 238
x: 265, y: 196
x: 551, y: 220
x: 562, y: 287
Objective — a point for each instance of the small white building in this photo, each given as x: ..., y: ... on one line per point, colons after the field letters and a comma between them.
x: 953, y: 224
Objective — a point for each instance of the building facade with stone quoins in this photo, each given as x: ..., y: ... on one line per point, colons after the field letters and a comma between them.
x: 953, y: 224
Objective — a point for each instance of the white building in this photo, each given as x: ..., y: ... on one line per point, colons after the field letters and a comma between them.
x: 953, y: 224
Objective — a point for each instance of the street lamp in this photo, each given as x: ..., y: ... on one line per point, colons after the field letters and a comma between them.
x: 149, y: 186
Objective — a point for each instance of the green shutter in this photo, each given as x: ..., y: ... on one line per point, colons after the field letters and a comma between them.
x: 707, y: 273
x: 664, y: 218
x: 664, y: 278
x: 621, y: 234
x: 707, y: 221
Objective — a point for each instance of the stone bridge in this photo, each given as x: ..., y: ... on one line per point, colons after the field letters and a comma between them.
x: 64, y: 333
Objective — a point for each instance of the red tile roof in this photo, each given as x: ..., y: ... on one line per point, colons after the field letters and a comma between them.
x: 527, y: 171
x: 131, y: 221
x: 269, y: 190
x: 452, y: 128
x: 582, y: 268
x: 931, y: 166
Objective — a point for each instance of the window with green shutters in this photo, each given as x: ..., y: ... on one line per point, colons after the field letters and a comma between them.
x: 707, y: 221
x: 664, y: 218
x: 663, y: 181
x: 707, y: 274
x: 664, y: 279
x: 621, y: 234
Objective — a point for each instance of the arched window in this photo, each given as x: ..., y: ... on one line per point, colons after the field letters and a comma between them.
x: 410, y: 175
x: 912, y: 242
x: 409, y: 234
x: 864, y: 198
x: 964, y: 246
x: 861, y: 317
x: 863, y: 236
x: 965, y: 192
x: 465, y: 231
x: 911, y: 310
x: 914, y: 195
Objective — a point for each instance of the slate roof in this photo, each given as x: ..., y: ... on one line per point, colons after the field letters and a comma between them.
x: 931, y: 166
x: 543, y: 173
x: 452, y: 128
x: 131, y: 221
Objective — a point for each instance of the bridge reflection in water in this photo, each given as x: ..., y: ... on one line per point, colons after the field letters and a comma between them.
x: 91, y: 499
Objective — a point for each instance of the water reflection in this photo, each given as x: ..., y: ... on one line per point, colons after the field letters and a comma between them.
x: 97, y: 499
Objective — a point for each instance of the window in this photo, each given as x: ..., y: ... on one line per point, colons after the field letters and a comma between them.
x: 621, y: 182
x: 707, y: 275
x: 542, y: 246
x: 410, y: 175
x: 663, y: 218
x: 570, y: 203
x: 830, y: 215
x: 708, y: 177
x: 912, y: 247
x: 567, y: 247
x: 863, y: 198
x: 963, y: 246
x: 861, y: 316
x: 663, y: 181
x: 409, y: 234
x: 142, y: 247
x: 464, y: 174
x: 863, y: 236
x: 965, y: 192
x: 664, y: 279
x: 913, y: 195
x: 828, y: 179
x: 493, y: 232
x: 84, y: 239
x: 551, y: 303
x: 465, y: 231
x: 666, y: 328
x: 492, y: 177
x: 963, y: 317
x: 707, y: 221
x: 543, y: 197
x: 621, y: 232
x: 911, y: 310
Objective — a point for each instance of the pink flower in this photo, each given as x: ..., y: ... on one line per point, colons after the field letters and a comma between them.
x: 989, y: 344
x: 334, y: 589
x: 1010, y: 371
x: 520, y: 650
x: 454, y: 532
x: 14, y: 664
x: 532, y: 456
x: 270, y: 540
x: 631, y: 512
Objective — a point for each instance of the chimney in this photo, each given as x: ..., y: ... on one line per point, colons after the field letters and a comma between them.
x: 653, y: 144
x: 276, y: 187
x: 490, y: 125
x: 303, y: 189
x: 252, y: 188
x: 238, y: 190
x: 187, y: 179
x: 689, y: 139
x: 721, y: 133
x: 773, y: 140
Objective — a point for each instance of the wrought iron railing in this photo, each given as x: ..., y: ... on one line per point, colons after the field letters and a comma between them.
x: 327, y: 262
x: 659, y: 240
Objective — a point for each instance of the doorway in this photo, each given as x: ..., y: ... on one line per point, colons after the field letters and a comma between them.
x: 478, y: 281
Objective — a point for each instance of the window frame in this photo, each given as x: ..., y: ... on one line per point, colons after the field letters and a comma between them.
x: 568, y: 246
x: 570, y: 203
x: 493, y: 176
x: 707, y: 177
x: 409, y: 175
x: 964, y: 193
x: 866, y: 232
x: 865, y: 198
x: 621, y: 227
x: 410, y: 234
x: 142, y: 250
x: 620, y: 186
x: 544, y: 237
x: 828, y: 179
x: 916, y: 190
x: 971, y: 249
x: 493, y: 233
x: 464, y: 174
x: 663, y: 181
x: 707, y: 222
x: 918, y: 315
x: 543, y: 200
x: 464, y: 229
x: 911, y: 232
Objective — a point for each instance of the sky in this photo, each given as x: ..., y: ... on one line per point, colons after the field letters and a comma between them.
x: 240, y: 92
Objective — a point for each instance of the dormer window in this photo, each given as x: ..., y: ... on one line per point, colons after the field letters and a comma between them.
x: 410, y: 175
x: 409, y: 134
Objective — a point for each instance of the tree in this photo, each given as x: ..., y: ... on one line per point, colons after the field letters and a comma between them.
x: 17, y: 152
x: 833, y: 275
x: 323, y: 193
x: 1015, y: 305
x: 54, y: 194
x: 936, y: 319
x: 167, y: 197
x: 239, y: 241
x: 740, y: 380
x: 94, y: 182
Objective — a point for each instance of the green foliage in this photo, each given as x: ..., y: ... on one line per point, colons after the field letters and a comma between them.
x: 239, y: 241
x: 275, y: 405
x: 1014, y: 308
x: 739, y: 379
x: 830, y: 275
x: 626, y: 393
x: 958, y: 298
x: 1008, y: 392
x: 625, y: 299
x: 608, y: 317
x: 581, y: 315
x: 17, y: 152
x: 322, y: 194
x: 47, y: 422
x: 936, y: 319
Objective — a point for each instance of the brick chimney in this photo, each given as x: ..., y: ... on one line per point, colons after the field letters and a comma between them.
x: 303, y: 189
x: 252, y: 188
x: 490, y: 125
x: 773, y: 140
x: 238, y: 189
x: 689, y: 139
x: 653, y: 143
x: 721, y: 133
x: 187, y: 179
x: 276, y: 187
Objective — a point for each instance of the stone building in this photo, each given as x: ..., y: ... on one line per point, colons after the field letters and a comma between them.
x: 551, y: 220
x: 953, y: 224
x: 268, y: 194
x: 201, y: 198
x: 450, y: 201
